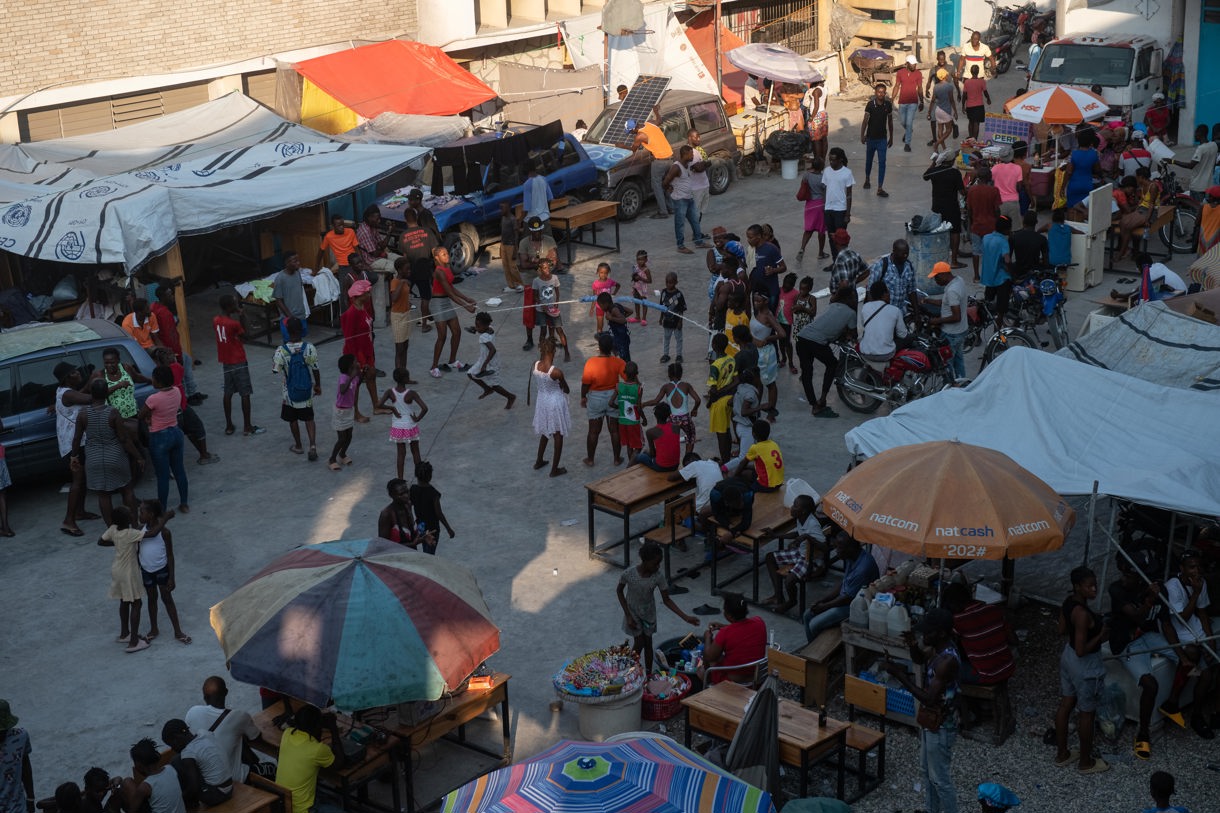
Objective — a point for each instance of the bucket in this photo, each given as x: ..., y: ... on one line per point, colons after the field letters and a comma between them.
x: 787, y: 168
x: 597, y: 721
x: 926, y: 251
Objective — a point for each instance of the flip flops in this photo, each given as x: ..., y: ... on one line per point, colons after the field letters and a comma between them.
x: 1099, y: 766
x: 71, y: 531
x: 254, y: 430
x: 139, y: 647
x: 1143, y: 749
x: 825, y: 412
x: 706, y: 609
x: 1073, y: 756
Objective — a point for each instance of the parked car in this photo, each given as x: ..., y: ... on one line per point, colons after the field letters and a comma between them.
x: 470, y: 221
x: 624, y: 177
x: 28, y: 357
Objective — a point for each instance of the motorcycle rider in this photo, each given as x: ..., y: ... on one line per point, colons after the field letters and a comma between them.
x: 879, y: 326
x: 952, y: 319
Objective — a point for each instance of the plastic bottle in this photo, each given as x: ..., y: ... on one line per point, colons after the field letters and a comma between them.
x: 858, y: 616
x: 898, y: 621
x: 878, y: 612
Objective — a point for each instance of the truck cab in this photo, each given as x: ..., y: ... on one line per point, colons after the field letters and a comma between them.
x: 1126, y: 66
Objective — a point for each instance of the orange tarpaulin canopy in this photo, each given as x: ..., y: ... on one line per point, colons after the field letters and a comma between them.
x: 396, y: 77
x: 702, y: 36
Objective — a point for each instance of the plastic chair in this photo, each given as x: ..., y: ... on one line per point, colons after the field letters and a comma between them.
x: 759, y: 666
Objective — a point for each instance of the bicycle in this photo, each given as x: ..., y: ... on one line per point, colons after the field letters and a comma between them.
x: 1181, y: 234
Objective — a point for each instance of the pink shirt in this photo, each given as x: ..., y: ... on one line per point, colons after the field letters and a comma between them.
x: 1006, y: 177
x: 973, y: 89
x: 163, y: 404
x: 345, y: 400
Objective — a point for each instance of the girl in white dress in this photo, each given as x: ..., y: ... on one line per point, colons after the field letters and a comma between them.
x: 551, y: 416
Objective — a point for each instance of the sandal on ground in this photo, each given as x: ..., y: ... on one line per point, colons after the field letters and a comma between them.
x: 706, y: 609
x: 212, y: 458
x: 313, y: 453
x: 254, y: 430
x: 71, y: 531
x: 1174, y: 715
x: 183, y: 639
x: 230, y: 430
x: 1073, y: 756
x: 825, y: 412
x: 139, y: 647
x: 333, y: 466
x: 347, y: 461
x: 151, y: 636
x: 296, y: 450
x: 822, y: 255
x: 1143, y: 749
x: 1099, y: 766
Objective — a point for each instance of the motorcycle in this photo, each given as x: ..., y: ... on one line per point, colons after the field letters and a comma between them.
x: 1032, y: 23
x: 920, y: 369
x: 1002, y: 46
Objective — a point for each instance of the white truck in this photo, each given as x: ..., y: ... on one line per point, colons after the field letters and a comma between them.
x: 1126, y: 66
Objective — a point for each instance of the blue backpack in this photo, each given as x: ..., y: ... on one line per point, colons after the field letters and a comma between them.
x: 300, y: 382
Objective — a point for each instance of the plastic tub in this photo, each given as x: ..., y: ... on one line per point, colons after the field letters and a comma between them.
x: 787, y: 168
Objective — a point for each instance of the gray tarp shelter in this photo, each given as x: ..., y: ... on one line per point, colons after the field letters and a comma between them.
x: 124, y: 196
x: 1072, y: 424
x: 1156, y: 344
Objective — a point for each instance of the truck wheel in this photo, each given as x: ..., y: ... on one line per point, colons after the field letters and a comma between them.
x: 630, y: 197
x: 747, y: 166
x: 463, y: 245
x: 719, y: 176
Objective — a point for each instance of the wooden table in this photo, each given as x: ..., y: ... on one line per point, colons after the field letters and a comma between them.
x: 589, y: 213
x: 452, y: 715
x: 352, y: 777
x: 771, y: 518
x: 802, y: 742
x: 859, y: 642
x: 623, y: 494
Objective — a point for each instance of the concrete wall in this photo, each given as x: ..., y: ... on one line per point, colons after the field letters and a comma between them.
x: 48, y: 42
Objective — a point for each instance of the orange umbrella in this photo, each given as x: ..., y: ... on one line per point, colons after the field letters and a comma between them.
x: 950, y: 500
x: 1058, y: 104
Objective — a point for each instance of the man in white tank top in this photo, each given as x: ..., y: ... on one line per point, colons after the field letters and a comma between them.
x: 677, y: 185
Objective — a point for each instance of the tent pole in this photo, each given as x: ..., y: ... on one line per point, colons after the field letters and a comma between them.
x: 1105, y: 563
x: 1088, y: 537
x: 716, y: 49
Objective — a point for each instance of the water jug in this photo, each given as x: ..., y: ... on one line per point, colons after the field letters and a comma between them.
x: 898, y: 621
x: 859, y: 610
x: 878, y: 613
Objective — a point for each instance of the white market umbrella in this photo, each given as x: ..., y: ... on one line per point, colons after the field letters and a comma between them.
x: 774, y: 62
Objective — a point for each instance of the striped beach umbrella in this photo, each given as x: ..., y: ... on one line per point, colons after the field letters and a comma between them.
x: 1058, y: 104
x: 362, y: 623
x: 642, y: 775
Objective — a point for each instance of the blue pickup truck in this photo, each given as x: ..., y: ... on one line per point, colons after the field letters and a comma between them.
x: 480, y: 172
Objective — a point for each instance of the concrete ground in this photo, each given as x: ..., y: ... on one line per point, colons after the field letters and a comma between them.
x: 523, y: 534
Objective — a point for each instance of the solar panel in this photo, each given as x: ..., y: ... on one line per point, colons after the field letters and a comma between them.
x: 638, y: 105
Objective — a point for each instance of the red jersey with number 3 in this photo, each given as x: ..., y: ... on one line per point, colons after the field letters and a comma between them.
x: 768, y: 463
x: 229, y: 348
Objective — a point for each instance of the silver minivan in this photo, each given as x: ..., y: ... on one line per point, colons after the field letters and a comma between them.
x: 624, y: 176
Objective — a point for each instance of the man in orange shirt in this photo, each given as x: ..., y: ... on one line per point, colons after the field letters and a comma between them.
x: 650, y: 142
x: 597, y: 385
x: 143, y: 326
x: 340, y: 241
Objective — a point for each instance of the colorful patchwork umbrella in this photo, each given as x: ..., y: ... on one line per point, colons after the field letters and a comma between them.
x: 1058, y: 104
x: 946, y: 499
x: 642, y: 775
x: 364, y: 623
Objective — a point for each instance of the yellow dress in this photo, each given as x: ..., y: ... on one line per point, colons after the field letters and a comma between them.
x: 126, y: 583
x: 732, y: 319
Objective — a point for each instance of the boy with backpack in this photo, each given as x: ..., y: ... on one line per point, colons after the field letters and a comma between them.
x: 297, y: 361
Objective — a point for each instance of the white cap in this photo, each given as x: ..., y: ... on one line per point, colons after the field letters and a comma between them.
x: 911, y: 59
x: 1158, y: 97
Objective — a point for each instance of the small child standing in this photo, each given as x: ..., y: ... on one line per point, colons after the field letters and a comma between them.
x: 804, y: 307
x: 683, y: 403
x: 1161, y: 787
x: 745, y: 410
x: 641, y: 278
x: 618, y: 317
x: 636, y: 594
x: 508, y: 250
x: 602, y: 285
x: 157, y: 567
x: 486, y: 371
x: 784, y: 314
x: 627, y: 397
x: 404, y: 427
x: 546, y: 308
x: 671, y: 321
x: 345, y: 410
x: 428, y: 513
x: 125, y: 582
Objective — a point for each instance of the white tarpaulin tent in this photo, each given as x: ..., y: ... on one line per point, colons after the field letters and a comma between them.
x: 1072, y: 424
x: 1156, y: 344
x: 124, y: 196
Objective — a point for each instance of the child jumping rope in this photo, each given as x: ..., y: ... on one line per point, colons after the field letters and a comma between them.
x: 157, y: 567
x: 486, y: 371
x: 637, y: 595
x: 404, y: 427
x: 641, y: 278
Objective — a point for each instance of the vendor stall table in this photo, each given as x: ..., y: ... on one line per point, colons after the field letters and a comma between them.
x: 351, y: 781
x: 623, y: 494
x: 590, y: 213
x: 858, y: 643
x: 803, y: 743
x: 771, y: 518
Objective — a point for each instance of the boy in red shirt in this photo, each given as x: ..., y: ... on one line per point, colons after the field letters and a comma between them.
x: 357, y: 326
x: 982, y: 207
x: 975, y: 99
x: 170, y: 338
x: 230, y: 326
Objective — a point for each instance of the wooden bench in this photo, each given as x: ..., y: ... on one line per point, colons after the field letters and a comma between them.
x: 987, y: 704
x: 869, y: 697
x: 817, y: 656
x: 256, y: 795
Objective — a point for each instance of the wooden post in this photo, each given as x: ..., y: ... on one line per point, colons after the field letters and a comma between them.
x: 169, y: 267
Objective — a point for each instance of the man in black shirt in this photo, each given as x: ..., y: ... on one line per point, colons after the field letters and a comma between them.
x: 1136, y: 635
x: 1029, y: 248
x: 877, y: 135
x: 947, y: 185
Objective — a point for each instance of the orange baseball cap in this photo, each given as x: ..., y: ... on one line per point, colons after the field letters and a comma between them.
x: 941, y: 267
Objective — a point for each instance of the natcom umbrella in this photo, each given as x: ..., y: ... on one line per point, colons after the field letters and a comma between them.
x: 774, y: 62
x: 641, y: 775
x: 363, y: 623
x: 946, y: 499
x: 1058, y: 104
